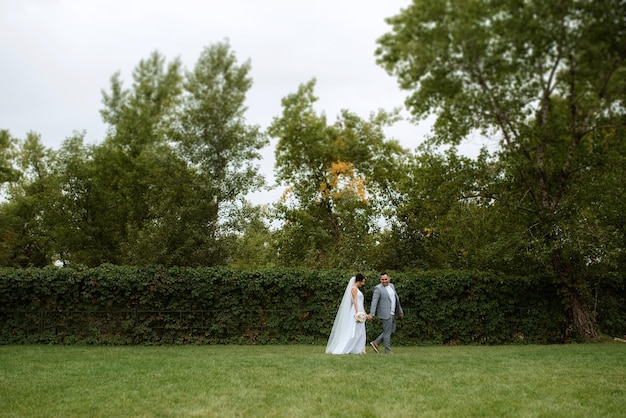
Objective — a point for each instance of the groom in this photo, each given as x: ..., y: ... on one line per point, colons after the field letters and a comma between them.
x: 385, y: 305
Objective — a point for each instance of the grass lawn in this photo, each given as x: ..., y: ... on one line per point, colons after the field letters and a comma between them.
x: 577, y: 380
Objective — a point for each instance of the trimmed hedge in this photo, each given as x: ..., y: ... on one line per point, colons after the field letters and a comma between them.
x: 157, y: 305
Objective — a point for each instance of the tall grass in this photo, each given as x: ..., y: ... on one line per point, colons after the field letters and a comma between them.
x: 586, y: 380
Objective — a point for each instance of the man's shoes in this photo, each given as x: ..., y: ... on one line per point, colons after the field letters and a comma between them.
x: 374, y: 346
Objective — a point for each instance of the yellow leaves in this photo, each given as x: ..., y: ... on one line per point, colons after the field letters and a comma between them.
x: 342, y: 180
x: 324, y: 189
x: 340, y: 168
x: 286, y: 194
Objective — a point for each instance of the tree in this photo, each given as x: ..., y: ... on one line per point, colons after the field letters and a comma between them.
x: 7, y: 149
x: 137, y: 117
x: 333, y: 173
x: 219, y: 147
x: 8, y: 174
x: 252, y: 245
x: 25, y: 239
x: 126, y: 170
x: 439, y: 218
x: 139, y: 197
x: 87, y: 220
x: 544, y: 78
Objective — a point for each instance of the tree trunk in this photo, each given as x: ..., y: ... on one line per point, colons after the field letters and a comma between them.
x: 581, y: 320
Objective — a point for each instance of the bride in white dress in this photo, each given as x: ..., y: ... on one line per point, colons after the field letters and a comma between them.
x: 348, y: 333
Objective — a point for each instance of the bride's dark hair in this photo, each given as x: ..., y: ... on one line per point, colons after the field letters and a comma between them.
x: 359, y: 277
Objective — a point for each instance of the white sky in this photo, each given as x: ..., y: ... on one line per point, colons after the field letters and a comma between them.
x: 58, y: 56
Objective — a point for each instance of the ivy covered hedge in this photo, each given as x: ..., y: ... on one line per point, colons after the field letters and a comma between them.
x: 156, y: 305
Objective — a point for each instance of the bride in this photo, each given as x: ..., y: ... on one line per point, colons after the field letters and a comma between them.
x: 348, y: 333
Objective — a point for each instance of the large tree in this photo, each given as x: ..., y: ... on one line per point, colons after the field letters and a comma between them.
x: 334, y: 173
x: 218, y: 145
x: 31, y: 191
x: 545, y: 79
x: 439, y: 218
x: 129, y: 163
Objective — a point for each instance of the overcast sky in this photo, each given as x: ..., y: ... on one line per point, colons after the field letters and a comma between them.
x: 58, y: 56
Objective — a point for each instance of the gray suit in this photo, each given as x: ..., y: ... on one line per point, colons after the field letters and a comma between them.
x: 381, y: 307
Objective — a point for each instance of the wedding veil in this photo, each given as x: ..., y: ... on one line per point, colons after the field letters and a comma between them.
x: 344, y: 323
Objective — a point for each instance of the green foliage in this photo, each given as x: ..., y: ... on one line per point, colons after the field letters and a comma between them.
x: 7, y: 148
x: 211, y: 129
x: 544, y: 79
x: 124, y: 305
x: 441, y: 221
x: 136, y: 171
x: 609, y: 301
x: 481, y: 308
x: 333, y: 174
x: 158, y: 305
x: 166, y: 186
x: 136, y: 117
x: 25, y: 237
x: 253, y: 245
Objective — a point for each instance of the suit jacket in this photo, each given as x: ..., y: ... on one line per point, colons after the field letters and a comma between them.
x: 381, y: 302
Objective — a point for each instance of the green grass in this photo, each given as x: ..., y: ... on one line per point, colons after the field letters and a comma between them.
x: 586, y: 380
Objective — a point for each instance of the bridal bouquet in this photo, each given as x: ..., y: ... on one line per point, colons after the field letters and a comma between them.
x: 360, y: 317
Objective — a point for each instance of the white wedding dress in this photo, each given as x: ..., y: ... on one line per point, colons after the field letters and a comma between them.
x: 347, y: 335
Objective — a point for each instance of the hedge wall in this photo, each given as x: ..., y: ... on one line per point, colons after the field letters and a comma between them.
x: 155, y: 305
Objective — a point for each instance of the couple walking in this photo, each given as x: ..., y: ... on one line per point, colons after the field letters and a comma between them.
x: 348, y: 333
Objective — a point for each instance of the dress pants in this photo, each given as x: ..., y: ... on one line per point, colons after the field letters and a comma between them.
x: 389, y: 327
